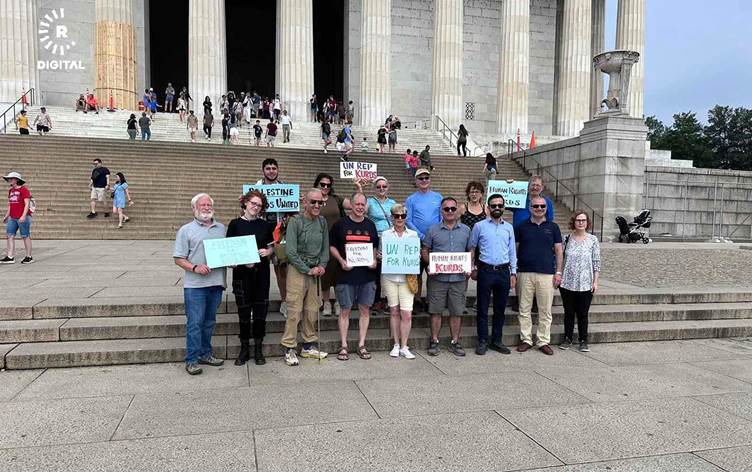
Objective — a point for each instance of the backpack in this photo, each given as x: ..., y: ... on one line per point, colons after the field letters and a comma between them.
x: 328, y: 129
x: 280, y: 233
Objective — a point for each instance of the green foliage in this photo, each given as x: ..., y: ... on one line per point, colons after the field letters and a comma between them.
x: 724, y: 143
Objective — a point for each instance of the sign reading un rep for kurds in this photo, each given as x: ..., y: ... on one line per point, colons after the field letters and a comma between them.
x: 357, y: 170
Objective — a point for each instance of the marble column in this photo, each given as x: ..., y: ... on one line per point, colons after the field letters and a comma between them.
x: 294, y: 59
x: 597, y: 46
x: 446, y: 93
x: 630, y: 35
x: 575, y: 66
x: 18, y: 49
x: 375, y: 49
x: 115, y: 54
x: 207, y: 52
x: 514, y: 68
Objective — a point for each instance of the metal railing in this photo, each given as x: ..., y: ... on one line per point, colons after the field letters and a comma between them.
x: 27, y: 99
x: 561, y: 192
x: 451, y: 137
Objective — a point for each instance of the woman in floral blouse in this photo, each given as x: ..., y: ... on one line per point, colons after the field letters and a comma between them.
x: 579, y: 281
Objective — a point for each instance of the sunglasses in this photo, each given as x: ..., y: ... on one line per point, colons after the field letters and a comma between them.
x: 382, y: 187
x: 497, y: 206
x: 424, y: 178
x: 399, y: 216
x: 324, y: 185
x: 316, y: 202
x: 450, y: 209
x: 538, y: 206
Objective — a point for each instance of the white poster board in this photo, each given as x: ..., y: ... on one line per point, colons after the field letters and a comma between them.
x: 449, y: 263
x: 514, y: 192
x: 358, y: 170
x: 359, y: 254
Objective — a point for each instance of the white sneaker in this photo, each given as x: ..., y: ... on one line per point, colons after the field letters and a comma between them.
x: 405, y: 352
x: 327, y: 309
x: 283, y: 309
x: 291, y: 358
x: 325, y: 151
x: 395, y: 352
x: 313, y: 353
x: 337, y: 308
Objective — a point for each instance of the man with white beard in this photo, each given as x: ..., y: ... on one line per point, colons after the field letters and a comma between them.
x: 202, y: 286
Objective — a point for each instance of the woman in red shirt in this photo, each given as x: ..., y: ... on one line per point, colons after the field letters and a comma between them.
x: 18, y: 217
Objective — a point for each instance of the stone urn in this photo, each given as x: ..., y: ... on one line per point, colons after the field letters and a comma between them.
x: 618, y: 65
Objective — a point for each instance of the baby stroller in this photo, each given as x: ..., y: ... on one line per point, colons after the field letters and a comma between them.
x: 634, y: 231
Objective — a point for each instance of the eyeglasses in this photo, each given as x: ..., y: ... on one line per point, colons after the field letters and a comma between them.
x: 316, y: 202
x: 497, y: 206
x: 399, y: 216
x: 324, y: 184
x: 538, y: 206
x: 424, y: 178
x: 381, y: 187
x: 450, y: 209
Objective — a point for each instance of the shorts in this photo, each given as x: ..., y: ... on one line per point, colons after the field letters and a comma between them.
x: 23, y: 130
x: 14, y: 225
x: 270, y: 138
x: 446, y: 295
x: 97, y: 194
x: 350, y: 295
x: 234, y: 132
x: 43, y: 128
x: 397, y: 293
x: 168, y: 98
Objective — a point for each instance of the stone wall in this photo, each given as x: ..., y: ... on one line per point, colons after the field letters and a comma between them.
x: 699, y: 203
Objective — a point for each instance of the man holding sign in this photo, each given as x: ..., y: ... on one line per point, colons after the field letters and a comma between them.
x: 352, y: 243
x: 447, y: 273
x: 202, y: 286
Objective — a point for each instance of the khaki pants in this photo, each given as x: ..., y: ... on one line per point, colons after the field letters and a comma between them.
x: 539, y: 286
x: 302, y: 297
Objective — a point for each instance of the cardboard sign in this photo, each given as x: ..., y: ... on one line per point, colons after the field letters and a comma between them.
x: 223, y: 252
x: 400, y: 255
x: 359, y: 254
x: 515, y: 192
x: 282, y: 198
x: 449, y: 263
x: 357, y: 170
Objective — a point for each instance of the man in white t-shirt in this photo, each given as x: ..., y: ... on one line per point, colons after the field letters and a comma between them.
x: 286, y: 126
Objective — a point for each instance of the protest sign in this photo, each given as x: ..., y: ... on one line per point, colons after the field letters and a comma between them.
x: 357, y: 170
x: 449, y: 262
x: 225, y: 252
x: 359, y: 254
x: 514, y: 193
x: 400, y: 255
x: 281, y: 197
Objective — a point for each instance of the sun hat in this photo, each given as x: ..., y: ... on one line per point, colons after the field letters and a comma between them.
x: 422, y: 171
x: 14, y: 175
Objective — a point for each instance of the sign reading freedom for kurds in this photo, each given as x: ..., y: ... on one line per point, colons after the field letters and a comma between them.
x: 400, y: 255
x: 281, y: 197
x: 449, y: 263
x: 357, y: 170
x: 359, y: 254
x: 223, y: 252
x: 515, y: 192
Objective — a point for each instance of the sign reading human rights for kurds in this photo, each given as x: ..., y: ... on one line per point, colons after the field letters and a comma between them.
x: 359, y: 254
x: 281, y: 197
x: 449, y: 263
x: 357, y: 170
x: 514, y: 192
x: 400, y: 255
x: 223, y: 252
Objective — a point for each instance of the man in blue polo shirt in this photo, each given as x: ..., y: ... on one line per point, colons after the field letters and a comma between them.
x: 534, y: 190
x: 538, y: 240
x: 493, y: 241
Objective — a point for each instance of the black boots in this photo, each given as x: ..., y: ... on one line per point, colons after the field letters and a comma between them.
x: 258, y: 354
x: 245, y: 353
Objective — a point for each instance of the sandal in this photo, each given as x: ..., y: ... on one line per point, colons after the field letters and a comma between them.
x: 342, y: 355
x: 363, y: 353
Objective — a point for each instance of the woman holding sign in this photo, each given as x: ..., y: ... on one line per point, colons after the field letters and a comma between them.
x: 395, y: 286
x: 250, y: 283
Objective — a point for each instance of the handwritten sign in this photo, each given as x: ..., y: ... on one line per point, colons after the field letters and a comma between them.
x: 359, y: 254
x: 357, y: 170
x: 282, y: 198
x: 225, y: 252
x: 515, y: 192
x: 400, y: 255
x: 449, y: 262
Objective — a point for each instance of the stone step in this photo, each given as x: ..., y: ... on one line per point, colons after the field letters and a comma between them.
x: 172, y: 349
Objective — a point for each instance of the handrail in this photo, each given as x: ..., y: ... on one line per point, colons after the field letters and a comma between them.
x: 3, y: 118
x: 549, y: 177
x: 444, y: 129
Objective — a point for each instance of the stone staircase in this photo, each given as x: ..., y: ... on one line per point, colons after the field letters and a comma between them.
x: 164, y: 176
x: 105, y: 334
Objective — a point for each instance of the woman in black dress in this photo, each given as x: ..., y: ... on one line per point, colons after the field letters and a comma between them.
x: 475, y: 209
x: 250, y: 283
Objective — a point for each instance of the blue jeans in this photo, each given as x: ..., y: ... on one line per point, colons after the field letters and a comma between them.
x: 496, y: 282
x: 145, y: 134
x: 201, y: 315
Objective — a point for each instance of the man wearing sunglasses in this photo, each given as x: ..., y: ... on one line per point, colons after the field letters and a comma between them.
x: 538, y: 241
x: 492, y: 240
x: 446, y: 291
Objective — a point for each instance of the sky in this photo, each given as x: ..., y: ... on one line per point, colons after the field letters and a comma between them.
x: 698, y: 55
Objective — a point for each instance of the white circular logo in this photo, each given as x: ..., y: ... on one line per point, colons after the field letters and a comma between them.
x: 53, y: 35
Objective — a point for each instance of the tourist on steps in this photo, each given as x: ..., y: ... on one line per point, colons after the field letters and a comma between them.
x: 17, y: 217
x: 192, y: 125
x: 169, y: 97
x: 462, y: 141
x: 250, y: 283
x: 202, y: 286
x: 425, y: 158
x: 489, y: 167
x: 99, y: 184
x: 43, y: 122
x: 121, y: 196
x: 22, y: 123
x: 326, y: 134
x: 145, y: 124
x: 208, y: 123
x: 579, y: 280
x: 132, y: 127
x: 271, y: 132
x: 286, y: 126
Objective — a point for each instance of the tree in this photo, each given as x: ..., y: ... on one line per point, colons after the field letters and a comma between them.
x: 656, y: 132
